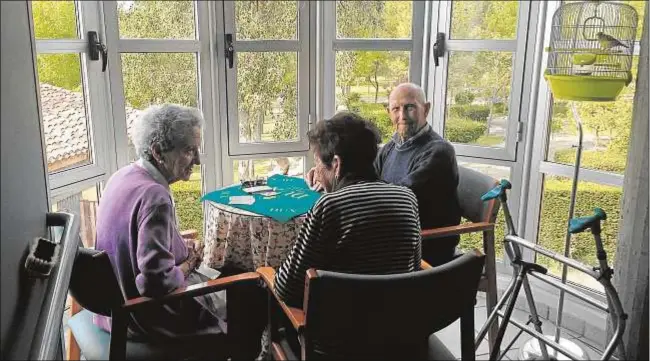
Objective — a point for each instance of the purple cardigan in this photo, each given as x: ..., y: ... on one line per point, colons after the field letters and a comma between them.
x: 136, y: 226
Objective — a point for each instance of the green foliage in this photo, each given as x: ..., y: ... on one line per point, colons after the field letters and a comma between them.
x: 56, y: 20
x: 475, y: 112
x: 157, y: 20
x: 499, y: 108
x: 464, y: 130
x: 555, y: 208
x: 484, y: 19
x: 187, y: 196
x: 377, y: 114
x: 465, y: 97
x: 605, y: 160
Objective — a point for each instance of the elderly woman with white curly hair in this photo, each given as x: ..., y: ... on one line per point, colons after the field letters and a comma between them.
x: 136, y: 226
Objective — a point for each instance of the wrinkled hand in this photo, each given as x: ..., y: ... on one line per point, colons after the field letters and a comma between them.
x: 312, y: 182
x: 194, y: 253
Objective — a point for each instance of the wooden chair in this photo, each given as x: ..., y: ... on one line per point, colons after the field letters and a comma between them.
x: 482, y: 218
x: 351, y: 316
x: 94, y: 286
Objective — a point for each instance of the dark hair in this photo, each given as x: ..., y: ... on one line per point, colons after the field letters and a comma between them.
x: 354, y: 139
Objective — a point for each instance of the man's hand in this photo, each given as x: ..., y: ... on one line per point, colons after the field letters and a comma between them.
x: 312, y: 182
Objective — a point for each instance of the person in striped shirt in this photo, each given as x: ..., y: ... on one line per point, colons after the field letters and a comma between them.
x: 360, y: 225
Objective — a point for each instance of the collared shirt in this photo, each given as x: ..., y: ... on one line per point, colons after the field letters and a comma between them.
x: 398, y: 140
x: 153, y: 172
x: 159, y: 178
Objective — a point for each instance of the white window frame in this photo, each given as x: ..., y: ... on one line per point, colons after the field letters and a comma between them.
x: 201, y: 47
x: 95, y: 92
x: 438, y: 79
x: 303, y: 48
x: 331, y: 44
x: 539, y: 166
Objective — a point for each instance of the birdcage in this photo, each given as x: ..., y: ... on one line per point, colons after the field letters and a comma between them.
x: 591, y: 49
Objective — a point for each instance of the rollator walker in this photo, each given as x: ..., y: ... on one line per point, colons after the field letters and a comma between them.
x: 522, y: 269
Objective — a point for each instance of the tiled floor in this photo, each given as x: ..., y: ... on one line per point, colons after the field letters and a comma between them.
x: 450, y: 336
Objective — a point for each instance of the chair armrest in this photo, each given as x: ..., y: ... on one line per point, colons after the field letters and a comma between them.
x: 456, y: 230
x: 193, y: 290
x: 295, y: 315
x: 190, y: 234
x: 424, y: 265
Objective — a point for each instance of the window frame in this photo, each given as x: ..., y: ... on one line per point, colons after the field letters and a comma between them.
x: 95, y: 93
x: 539, y: 167
x: 200, y: 47
x: 438, y: 79
x: 301, y: 46
x: 330, y: 44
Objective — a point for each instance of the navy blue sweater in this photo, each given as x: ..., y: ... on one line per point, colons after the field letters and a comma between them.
x: 427, y: 165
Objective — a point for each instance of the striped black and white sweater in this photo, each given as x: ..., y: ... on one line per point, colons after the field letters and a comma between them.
x: 363, y: 228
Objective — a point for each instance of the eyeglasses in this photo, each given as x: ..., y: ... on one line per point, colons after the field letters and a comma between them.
x: 253, y: 183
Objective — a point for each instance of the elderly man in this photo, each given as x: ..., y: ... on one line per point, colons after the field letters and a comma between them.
x: 420, y: 159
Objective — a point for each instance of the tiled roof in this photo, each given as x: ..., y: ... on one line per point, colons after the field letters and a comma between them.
x: 65, y: 122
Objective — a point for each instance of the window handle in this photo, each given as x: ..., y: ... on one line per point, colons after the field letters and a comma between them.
x: 230, y: 50
x: 438, y: 48
x: 96, y: 47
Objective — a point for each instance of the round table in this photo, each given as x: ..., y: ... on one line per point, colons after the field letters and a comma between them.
x: 245, y: 240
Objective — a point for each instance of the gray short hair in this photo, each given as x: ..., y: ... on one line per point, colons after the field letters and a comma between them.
x: 169, y: 126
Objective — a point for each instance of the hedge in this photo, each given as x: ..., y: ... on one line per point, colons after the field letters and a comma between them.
x: 476, y: 112
x: 377, y: 114
x: 608, y: 160
x: 463, y: 130
x: 500, y: 108
x: 552, y: 229
x: 187, y: 196
x: 465, y: 97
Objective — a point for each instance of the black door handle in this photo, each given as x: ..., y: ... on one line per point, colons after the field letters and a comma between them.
x: 438, y: 48
x: 230, y: 51
x: 95, y: 48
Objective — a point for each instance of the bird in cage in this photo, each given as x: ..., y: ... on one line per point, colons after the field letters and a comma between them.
x: 608, y: 42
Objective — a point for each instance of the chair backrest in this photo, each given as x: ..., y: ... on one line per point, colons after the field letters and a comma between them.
x: 471, y: 186
x: 93, y: 283
x: 375, y: 315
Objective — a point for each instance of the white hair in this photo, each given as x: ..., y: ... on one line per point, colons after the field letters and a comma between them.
x: 168, y: 126
x: 411, y: 88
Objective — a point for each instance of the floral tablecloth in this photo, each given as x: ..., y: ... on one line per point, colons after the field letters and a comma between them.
x: 245, y: 240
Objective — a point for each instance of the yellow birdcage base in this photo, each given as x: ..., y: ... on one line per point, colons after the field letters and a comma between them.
x: 585, y: 87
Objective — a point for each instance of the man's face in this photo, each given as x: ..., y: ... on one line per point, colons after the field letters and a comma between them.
x: 407, y: 113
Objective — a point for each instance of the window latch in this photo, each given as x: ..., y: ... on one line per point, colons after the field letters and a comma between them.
x: 230, y: 51
x: 96, y: 47
x: 438, y: 48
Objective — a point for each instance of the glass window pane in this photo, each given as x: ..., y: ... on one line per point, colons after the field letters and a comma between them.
x: 83, y: 204
x: 258, y: 20
x: 246, y: 169
x: 65, y: 123
x: 267, y: 96
x: 156, y: 78
x: 475, y: 240
x: 54, y: 19
x: 187, y: 200
x: 553, y: 224
x: 484, y: 19
x: 606, y: 127
x: 364, y: 79
x: 478, y: 95
x: 374, y: 19
x: 156, y: 19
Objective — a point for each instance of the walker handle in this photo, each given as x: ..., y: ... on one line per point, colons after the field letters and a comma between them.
x: 577, y: 225
x: 497, y: 191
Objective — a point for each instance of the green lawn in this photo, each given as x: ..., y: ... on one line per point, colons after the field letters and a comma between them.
x: 490, y: 140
